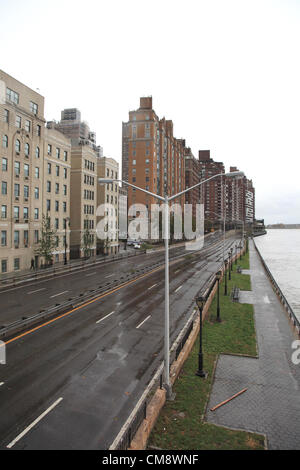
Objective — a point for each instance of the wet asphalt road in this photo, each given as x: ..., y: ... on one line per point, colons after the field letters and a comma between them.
x: 93, y: 364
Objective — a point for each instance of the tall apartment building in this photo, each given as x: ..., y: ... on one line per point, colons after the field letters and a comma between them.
x: 56, y: 188
x: 152, y: 158
x: 108, y: 195
x: 22, y: 174
x: 212, y: 192
x: 192, y: 177
x: 240, y: 199
x: 83, y: 181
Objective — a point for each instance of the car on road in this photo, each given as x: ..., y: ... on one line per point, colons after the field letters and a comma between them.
x: 136, y: 246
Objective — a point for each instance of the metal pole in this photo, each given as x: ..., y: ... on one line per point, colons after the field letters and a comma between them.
x: 225, y: 268
x: 200, y: 372
x: 218, y: 306
x: 167, y: 306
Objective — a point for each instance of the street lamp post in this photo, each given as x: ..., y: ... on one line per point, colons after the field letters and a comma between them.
x: 200, y: 301
x: 218, y: 277
x: 226, y: 264
x: 231, y: 251
x: 166, y: 200
x: 236, y: 252
x: 229, y: 267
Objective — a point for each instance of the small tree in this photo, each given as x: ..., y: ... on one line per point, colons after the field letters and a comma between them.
x: 47, y: 243
x: 87, y: 241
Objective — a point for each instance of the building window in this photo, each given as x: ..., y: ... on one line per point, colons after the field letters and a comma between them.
x: 37, y: 172
x: 12, y: 96
x: 27, y: 149
x: 16, y: 264
x: 3, y: 212
x: 25, y: 213
x: 36, y: 193
x: 64, y: 206
x: 57, y: 206
x: 49, y: 168
x: 37, y: 152
x: 18, y: 122
x: 57, y: 152
x: 48, y: 186
x: 26, y: 238
x: 65, y: 173
x: 17, y: 168
x: 49, y: 150
x: 5, y: 141
x: 26, y: 191
x: 17, y: 190
x: 3, y: 238
x: 56, y: 224
x: 38, y: 130
x: 6, y: 115
x: 4, y: 164
x: 27, y: 126
x: 33, y: 108
x: 26, y: 170
x: 65, y: 156
x: 4, y: 188
x: 36, y: 213
x: 57, y: 170
x: 18, y: 146
x: 48, y: 205
x: 36, y: 236
x: 3, y: 265
x: 16, y: 212
x: 65, y: 189
x: 134, y: 131
x: 56, y: 188
x: 134, y: 162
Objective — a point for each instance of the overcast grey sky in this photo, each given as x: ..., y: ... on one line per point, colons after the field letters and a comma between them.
x: 227, y: 72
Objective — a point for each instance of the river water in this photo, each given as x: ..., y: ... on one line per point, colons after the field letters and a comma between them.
x: 281, y: 252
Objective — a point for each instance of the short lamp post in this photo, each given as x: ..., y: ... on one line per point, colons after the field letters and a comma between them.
x: 236, y: 253
x: 218, y: 277
x: 229, y: 267
x: 200, y: 301
x: 226, y: 264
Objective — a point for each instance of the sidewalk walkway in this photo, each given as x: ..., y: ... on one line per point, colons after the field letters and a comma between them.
x: 271, y: 405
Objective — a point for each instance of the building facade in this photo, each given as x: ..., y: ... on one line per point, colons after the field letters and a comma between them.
x: 24, y: 142
x: 212, y: 192
x: 108, y: 206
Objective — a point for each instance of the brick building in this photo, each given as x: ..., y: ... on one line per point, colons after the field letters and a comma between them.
x: 212, y: 192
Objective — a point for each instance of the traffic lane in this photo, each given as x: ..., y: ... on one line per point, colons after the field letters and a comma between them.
x: 99, y: 400
x: 40, y: 363
x: 26, y: 301
x: 111, y: 337
x: 29, y: 300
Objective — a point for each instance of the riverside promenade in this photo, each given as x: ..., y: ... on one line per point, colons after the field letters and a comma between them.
x: 271, y: 404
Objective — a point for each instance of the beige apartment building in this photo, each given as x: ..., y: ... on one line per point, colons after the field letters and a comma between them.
x: 108, y: 205
x: 83, y: 182
x: 22, y: 129
x: 56, y: 189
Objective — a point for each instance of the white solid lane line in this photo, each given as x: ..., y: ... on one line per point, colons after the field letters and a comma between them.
x: 101, y: 319
x: 61, y: 293
x: 91, y: 274
x: 152, y: 286
x: 143, y: 322
x: 12, y: 443
x: 108, y: 276
x: 178, y: 288
x: 34, y: 291
x: 1, y: 383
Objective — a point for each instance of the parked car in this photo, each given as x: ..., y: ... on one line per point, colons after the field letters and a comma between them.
x: 136, y: 246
